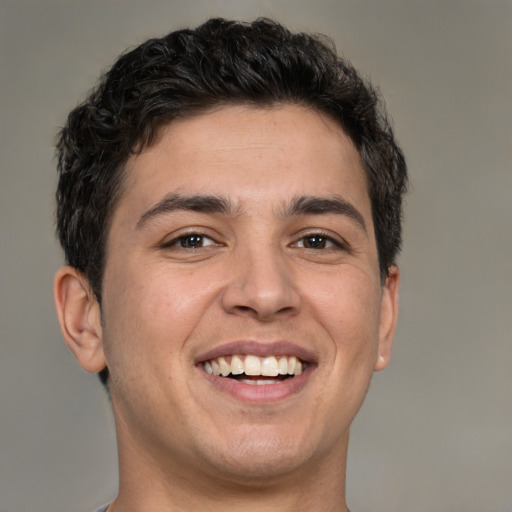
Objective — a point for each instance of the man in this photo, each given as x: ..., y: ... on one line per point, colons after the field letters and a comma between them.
x: 229, y: 204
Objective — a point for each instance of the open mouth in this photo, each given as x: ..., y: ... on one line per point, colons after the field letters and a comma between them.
x: 251, y: 369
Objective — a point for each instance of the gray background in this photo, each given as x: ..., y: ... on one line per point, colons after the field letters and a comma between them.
x: 435, y: 433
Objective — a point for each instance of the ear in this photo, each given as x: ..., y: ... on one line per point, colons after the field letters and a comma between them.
x: 388, y: 317
x: 79, y: 316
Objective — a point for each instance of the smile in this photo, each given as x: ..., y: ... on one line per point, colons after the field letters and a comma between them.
x: 246, y: 368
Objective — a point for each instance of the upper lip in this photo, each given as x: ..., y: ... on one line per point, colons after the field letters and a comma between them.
x: 260, y: 349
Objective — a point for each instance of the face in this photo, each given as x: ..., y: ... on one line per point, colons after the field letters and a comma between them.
x: 243, y: 312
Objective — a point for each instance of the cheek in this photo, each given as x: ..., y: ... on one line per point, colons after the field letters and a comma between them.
x: 348, y: 307
x: 152, y: 311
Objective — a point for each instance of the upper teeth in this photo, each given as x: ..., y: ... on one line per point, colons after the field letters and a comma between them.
x: 270, y: 366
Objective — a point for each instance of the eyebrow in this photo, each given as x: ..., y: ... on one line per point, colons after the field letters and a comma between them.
x: 313, y: 205
x: 302, y: 205
x: 195, y: 203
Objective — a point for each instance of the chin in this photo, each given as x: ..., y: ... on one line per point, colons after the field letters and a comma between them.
x: 253, y: 458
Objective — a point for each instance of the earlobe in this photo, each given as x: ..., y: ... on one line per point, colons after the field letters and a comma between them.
x: 388, y: 317
x: 79, y: 316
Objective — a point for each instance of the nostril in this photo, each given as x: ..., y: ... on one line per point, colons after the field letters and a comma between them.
x: 245, y: 309
x: 287, y: 309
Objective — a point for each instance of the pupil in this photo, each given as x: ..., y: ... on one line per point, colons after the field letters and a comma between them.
x: 316, y: 242
x: 192, y: 241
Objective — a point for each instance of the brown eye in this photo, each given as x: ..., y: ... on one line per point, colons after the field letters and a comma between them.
x: 191, y: 241
x: 315, y: 242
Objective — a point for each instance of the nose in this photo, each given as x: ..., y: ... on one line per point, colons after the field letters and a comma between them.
x: 261, y: 285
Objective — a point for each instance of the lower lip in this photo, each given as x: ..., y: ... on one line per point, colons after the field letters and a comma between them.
x: 262, y: 393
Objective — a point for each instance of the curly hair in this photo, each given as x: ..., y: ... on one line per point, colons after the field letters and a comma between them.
x: 188, y: 72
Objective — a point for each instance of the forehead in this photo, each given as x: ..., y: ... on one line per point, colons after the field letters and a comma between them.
x: 242, y: 151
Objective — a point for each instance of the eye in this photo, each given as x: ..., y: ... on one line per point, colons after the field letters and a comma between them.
x: 191, y: 241
x: 318, y: 241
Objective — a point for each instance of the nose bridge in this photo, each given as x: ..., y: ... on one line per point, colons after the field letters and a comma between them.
x: 261, y: 282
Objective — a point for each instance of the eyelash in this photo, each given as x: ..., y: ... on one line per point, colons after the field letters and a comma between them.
x: 182, y: 238
x: 323, y: 238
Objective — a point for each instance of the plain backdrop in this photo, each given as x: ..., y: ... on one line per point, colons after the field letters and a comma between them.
x: 435, y: 433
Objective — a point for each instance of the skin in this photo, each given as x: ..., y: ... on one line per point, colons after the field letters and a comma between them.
x: 256, y: 279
